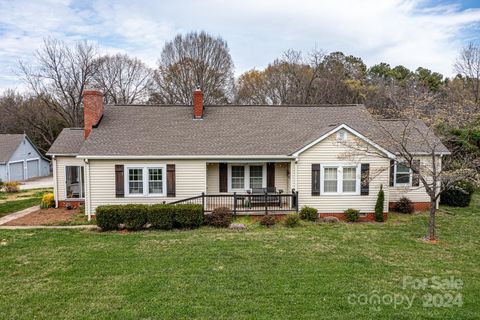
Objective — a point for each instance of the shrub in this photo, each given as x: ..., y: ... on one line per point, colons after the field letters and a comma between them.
x: 404, y: 205
x: 161, y: 216
x: 48, y: 201
x: 188, y: 216
x: 1, y: 184
x: 268, y: 220
x: 11, y: 187
x: 135, y: 216
x: 458, y: 195
x: 109, y: 217
x: 352, y: 215
x: 81, y: 208
x: 219, y: 218
x: 308, y: 213
x: 292, y: 220
x: 379, y: 206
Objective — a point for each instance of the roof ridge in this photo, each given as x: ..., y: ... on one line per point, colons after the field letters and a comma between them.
x: 238, y: 105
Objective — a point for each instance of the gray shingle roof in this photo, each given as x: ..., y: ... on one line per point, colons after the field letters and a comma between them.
x: 225, y: 130
x: 414, y: 134
x: 68, y: 142
x: 8, y: 144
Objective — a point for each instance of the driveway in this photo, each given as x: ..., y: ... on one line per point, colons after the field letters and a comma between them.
x: 42, y: 182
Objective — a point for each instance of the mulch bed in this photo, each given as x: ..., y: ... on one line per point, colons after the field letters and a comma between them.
x: 47, y: 217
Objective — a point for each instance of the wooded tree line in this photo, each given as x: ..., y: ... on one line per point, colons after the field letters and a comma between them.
x: 59, y: 73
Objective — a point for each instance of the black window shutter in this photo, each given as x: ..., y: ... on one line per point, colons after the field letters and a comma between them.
x: 223, y: 178
x: 171, y: 180
x: 119, y: 181
x: 270, y: 176
x: 365, y: 179
x: 415, y: 173
x: 392, y: 172
x: 315, y: 179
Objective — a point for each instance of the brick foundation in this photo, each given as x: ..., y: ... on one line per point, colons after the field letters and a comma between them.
x: 72, y: 203
x: 417, y: 206
x: 368, y: 217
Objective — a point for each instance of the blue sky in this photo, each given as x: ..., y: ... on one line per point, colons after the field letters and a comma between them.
x: 413, y: 32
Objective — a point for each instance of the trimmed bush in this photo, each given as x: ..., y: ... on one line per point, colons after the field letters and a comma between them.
x: 48, y: 201
x: 135, y: 216
x: 219, y: 218
x: 308, y: 213
x: 109, y: 217
x: 404, y: 205
x: 458, y: 195
x: 292, y: 220
x: 352, y: 215
x: 268, y: 220
x: 188, y: 216
x: 379, y: 206
x: 161, y: 216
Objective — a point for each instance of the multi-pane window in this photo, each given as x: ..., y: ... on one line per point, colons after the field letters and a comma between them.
x: 340, y: 179
x: 330, y: 180
x: 238, y: 177
x: 349, y: 179
x: 402, y: 175
x: 135, y: 181
x: 145, y: 180
x: 155, y: 180
x: 256, y: 177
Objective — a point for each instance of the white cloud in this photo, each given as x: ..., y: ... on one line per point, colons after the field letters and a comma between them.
x: 411, y: 32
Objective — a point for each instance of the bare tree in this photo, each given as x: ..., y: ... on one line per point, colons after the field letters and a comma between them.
x: 59, y: 75
x: 468, y: 65
x: 289, y: 80
x: 190, y: 61
x: 418, y: 148
x: 29, y: 114
x: 124, y: 80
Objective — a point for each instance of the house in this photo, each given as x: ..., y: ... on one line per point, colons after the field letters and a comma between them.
x: 20, y: 159
x: 251, y: 158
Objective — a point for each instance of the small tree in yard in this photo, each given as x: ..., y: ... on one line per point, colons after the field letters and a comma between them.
x: 408, y: 138
x: 379, y: 205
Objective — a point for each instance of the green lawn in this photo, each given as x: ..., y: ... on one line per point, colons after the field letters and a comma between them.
x: 13, y: 202
x: 303, y: 273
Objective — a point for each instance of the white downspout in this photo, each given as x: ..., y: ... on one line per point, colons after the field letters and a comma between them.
x: 55, y: 182
x: 88, y: 204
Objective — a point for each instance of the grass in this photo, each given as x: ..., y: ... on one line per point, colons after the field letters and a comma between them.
x: 13, y: 202
x: 307, y: 272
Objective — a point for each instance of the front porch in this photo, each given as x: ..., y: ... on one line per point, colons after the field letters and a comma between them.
x: 248, y: 188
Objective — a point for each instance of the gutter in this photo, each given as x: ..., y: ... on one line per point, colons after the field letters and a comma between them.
x: 192, y: 157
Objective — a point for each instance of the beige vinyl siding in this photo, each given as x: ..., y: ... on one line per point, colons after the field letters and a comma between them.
x: 415, y: 194
x: 329, y: 151
x: 61, y: 163
x: 190, y: 181
x: 213, y: 178
x: 281, y: 177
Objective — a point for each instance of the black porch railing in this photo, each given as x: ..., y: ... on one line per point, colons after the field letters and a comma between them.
x: 246, y: 203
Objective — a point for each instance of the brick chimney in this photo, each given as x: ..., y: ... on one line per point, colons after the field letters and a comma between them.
x: 197, y: 104
x: 92, y: 109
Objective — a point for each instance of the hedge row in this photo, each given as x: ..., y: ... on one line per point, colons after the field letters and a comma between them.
x: 159, y: 216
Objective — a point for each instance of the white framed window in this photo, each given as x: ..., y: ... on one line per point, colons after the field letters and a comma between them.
x: 403, y: 175
x: 145, y: 180
x: 244, y: 177
x: 338, y: 179
x: 256, y: 177
x: 238, y: 177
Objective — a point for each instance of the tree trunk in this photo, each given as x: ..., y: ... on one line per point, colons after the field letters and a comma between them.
x: 431, y: 222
